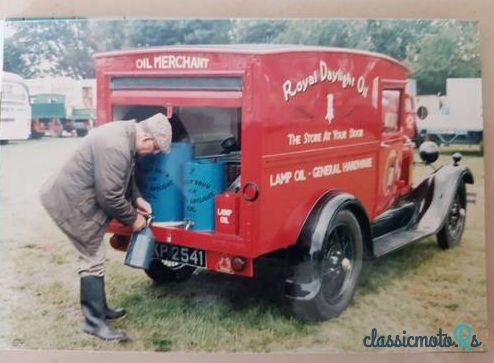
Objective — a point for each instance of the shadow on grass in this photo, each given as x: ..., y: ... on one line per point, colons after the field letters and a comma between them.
x: 201, y: 313
x: 383, y: 270
x: 262, y: 295
x: 264, y: 291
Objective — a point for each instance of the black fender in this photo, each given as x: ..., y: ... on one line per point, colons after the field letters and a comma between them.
x: 311, y: 238
x: 435, y: 196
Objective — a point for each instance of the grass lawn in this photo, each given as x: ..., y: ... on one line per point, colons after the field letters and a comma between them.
x: 418, y: 289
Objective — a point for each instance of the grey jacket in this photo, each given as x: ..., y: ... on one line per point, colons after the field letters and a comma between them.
x: 96, y: 184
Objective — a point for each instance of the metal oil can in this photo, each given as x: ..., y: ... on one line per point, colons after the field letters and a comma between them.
x: 141, y: 248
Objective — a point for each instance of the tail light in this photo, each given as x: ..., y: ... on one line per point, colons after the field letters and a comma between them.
x: 119, y: 242
x: 250, y: 192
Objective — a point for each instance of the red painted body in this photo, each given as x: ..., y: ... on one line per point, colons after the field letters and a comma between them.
x: 313, y: 120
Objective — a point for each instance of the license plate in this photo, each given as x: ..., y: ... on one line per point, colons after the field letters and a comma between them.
x: 186, y: 255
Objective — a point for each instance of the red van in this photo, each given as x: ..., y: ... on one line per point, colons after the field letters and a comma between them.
x: 319, y: 144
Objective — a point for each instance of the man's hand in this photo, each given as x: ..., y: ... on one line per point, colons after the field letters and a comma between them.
x: 143, y: 207
x: 139, y: 223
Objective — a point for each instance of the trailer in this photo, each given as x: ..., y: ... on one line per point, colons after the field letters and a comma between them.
x: 317, y: 158
x: 455, y: 118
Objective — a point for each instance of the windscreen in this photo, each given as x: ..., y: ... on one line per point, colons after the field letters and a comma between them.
x: 205, y: 127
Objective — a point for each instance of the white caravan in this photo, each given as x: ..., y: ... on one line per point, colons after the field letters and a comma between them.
x: 15, y: 112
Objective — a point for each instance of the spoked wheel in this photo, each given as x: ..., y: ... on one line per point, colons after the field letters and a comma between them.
x: 450, y: 235
x: 162, y: 271
x: 330, y: 276
x: 337, y: 263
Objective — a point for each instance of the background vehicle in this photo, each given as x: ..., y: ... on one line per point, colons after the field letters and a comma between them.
x: 77, y: 112
x: 82, y: 120
x: 455, y: 118
x: 49, y: 114
x: 317, y: 153
x: 15, y: 113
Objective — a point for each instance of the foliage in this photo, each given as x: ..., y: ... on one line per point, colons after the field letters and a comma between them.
x: 434, y: 50
x: 258, y: 31
x: 144, y: 33
x: 45, y: 47
x: 449, y: 50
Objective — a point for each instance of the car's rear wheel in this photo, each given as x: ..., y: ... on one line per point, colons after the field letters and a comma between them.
x: 331, y: 274
x: 452, y: 231
x: 162, y: 271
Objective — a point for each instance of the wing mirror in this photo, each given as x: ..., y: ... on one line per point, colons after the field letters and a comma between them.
x: 429, y: 152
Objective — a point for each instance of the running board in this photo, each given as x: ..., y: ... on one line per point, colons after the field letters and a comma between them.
x: 432, y: 199
x: 395, y: 240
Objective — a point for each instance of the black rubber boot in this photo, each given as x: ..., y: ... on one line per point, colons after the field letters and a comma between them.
x: 93, y: 309
x: 112, y: 314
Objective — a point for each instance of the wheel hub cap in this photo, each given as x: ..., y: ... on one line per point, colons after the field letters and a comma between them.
x: 346, y: 264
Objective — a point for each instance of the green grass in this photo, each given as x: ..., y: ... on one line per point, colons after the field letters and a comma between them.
x: 419, y: 288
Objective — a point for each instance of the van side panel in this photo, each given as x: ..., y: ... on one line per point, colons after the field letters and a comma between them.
x: 321, y: 131
x: 310, y: 123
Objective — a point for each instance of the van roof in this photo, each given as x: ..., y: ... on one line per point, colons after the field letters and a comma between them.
x: 260, y: 49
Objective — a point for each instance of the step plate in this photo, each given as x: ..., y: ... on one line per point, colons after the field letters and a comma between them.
x: 395, y: 240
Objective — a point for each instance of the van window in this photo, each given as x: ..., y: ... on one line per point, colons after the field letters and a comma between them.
x: 205, y: 127
x: 136, y: 112
x: 391, y: 110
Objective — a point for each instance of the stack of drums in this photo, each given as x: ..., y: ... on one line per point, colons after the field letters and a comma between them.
x: 160, y: 180
x: 203, y: 180
x: 179, y: 188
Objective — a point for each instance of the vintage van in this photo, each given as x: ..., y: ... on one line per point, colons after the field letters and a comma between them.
x: 318, y: 153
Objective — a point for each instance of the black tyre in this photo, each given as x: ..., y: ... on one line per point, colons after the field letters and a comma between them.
x: 81, y: 132
x: 162, y: 271
x: 37, y: 135
x: 450, y: 234
x: 334, y: 271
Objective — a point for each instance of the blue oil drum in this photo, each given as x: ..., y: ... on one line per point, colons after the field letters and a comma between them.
x: 203, y: 180
x: 160, y: 180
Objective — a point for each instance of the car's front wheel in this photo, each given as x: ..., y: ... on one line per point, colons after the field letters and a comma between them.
x: 450, y: 234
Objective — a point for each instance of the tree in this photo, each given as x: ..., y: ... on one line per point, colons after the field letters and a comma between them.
x: 450, y: 50
x: 329, y: 33
x: 434, y: 50
x: 144, y: 33
x: 258, y: 31
x: 44, y: 47
x: 107, y: 35
x: 394, y: 38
